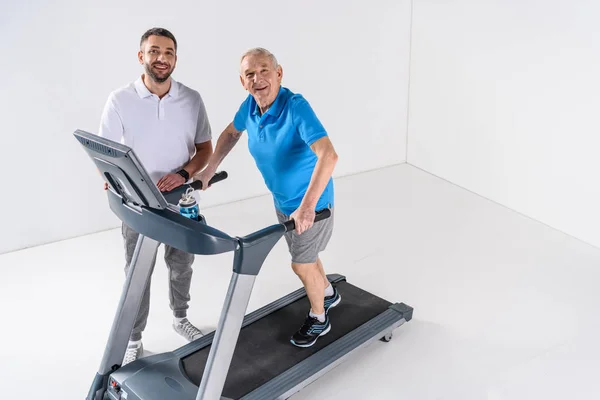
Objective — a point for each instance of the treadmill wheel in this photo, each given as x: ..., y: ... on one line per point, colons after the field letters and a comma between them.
x: 387, y: 337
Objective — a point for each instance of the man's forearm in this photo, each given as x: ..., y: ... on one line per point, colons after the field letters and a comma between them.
x: 320, y: 177
x: 199, y: 161
x: 226, y: 142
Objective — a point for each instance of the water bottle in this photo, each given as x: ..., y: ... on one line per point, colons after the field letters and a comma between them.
x: 188, y: 207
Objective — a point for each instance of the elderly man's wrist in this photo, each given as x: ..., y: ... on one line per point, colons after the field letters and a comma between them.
x: 211, y: 168
x: 308, y: 204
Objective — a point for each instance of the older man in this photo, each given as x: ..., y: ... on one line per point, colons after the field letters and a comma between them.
x: 296, y: 158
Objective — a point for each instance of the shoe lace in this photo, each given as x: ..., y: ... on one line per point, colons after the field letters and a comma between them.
x: 189, y: 329
x: 308, y: 323
x: 131, y: 355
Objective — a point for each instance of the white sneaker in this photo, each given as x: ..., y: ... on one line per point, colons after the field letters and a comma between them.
x: 187, y: 330
x: 133, y: 352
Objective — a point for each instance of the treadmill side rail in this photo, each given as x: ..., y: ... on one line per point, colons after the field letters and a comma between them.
x: 129, y: 305
x: 226, y: 336
x: 98, y: 387
x: 250, y: 254
x: 253, y: 249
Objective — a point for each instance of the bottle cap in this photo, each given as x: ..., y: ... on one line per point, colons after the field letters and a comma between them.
x: 187, y: 198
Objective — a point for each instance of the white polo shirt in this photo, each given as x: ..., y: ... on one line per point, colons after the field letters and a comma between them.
x: 161, y: 132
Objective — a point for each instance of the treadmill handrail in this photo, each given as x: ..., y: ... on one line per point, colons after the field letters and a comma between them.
x: 319, y: 215
x: 172, y: 228
x: 172, y: 196
x: 254, y: 248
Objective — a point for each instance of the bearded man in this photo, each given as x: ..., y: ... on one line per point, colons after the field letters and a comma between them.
x: 165, y: 123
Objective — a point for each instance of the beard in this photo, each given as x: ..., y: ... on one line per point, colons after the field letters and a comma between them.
x: 159, y: 77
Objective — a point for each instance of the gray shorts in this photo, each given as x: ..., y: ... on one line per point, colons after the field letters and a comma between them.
x: 305, y: 248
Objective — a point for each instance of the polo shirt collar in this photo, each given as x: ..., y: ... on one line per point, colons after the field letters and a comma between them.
x: 143, y: 91
x: 277, y: 105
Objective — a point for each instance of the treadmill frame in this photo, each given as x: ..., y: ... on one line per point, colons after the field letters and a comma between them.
x: 137, y: 202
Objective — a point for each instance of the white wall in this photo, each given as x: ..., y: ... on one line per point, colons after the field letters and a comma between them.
x: 61, y: 60
x: 504, y: 101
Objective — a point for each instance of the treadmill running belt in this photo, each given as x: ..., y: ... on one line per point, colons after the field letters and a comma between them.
x: 264, y: 351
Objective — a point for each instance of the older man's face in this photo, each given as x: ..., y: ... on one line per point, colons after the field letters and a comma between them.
x: 261, y: 79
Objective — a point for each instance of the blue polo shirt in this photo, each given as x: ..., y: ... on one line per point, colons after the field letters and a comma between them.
x: 279, y: 141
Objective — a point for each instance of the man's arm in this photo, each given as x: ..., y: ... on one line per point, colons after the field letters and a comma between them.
x: 200, y: 159
x: 304, y: 216
x: 111, y: 126
x: 327, y: 159
x: 196, y: 163
x: 314, y: 134
x: 204, y: 149
x: 227, y: 140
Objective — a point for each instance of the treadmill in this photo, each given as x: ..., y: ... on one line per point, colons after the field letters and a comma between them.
x: 247, y: 356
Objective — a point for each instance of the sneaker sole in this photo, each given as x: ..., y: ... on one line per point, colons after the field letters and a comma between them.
x: 314, y: 341
x: 335, y: 303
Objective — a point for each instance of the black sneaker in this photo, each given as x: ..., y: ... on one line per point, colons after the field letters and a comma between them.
x: 333, y: 300
x: 310, y: 331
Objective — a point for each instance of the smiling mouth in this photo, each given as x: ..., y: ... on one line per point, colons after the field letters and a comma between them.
x: 161, y: 67
x: 261, y: 90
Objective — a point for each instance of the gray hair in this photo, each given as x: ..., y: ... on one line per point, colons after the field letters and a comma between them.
x: 259, y: 51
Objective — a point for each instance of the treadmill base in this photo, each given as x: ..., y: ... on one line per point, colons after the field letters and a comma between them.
x: 265, y: 364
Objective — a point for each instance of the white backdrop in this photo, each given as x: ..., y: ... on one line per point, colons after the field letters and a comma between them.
x: 504, y: 101
x: 62, y: 58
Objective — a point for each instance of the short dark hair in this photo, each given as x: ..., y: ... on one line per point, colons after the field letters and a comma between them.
x: 158, y: 32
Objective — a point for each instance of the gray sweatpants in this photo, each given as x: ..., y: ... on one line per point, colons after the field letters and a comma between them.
x: 179, y: 264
